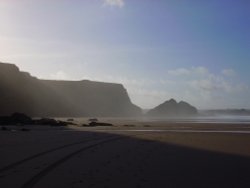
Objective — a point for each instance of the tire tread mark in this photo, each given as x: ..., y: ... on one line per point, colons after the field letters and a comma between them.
x: 33, y: 181
x: 13, y: 165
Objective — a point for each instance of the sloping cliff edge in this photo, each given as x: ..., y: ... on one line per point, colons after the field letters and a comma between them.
x: 20, y: 92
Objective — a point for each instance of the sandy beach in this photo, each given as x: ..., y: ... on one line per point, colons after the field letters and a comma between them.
x: 126, y: 155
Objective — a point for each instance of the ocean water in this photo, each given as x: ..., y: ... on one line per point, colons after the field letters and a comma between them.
x: 229, y: 119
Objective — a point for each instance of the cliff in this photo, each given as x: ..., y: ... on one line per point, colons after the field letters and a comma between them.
x: 172, y: 108
x: 20, y: 92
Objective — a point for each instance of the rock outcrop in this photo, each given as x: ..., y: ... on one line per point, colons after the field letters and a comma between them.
x: 22, y: 119
x: 173, y: 109
x: 20, y: 92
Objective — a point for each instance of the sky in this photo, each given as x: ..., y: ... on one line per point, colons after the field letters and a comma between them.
x: 192, y: 50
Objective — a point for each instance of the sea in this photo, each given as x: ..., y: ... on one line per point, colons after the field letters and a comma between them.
x: 228, y: 119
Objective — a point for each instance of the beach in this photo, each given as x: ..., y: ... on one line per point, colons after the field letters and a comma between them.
x: 128, y: 154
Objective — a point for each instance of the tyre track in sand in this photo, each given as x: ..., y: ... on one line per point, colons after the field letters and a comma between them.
x: 36, y: 178
x: 27, y: 159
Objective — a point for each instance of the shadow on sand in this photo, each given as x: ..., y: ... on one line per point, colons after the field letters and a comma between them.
x: 156, y: 164
x: 132, y: 162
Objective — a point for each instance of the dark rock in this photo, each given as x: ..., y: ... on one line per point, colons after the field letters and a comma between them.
x: 20, y: 92
x: 25, y: 129
x: 50, y: 122
x: 172, y: 108
x: 129, y: 125
x: 186, y: 109
x: 4, y: 129
x: 70, y: 119
x: 62, y: 123
x: 15, y: 119
x: 45, y: 121
x: 85, y: 125
x: 93, y: 124
x: 93, y: 120
x: 70, y: 123
x: 21, y: 118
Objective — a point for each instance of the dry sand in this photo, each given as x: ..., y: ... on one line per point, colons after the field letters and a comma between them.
x: 130, y: 154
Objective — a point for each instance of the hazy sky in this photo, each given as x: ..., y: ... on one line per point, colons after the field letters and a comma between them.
x: 192, y: 50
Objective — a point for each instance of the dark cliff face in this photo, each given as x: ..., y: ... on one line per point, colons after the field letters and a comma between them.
x: 20, y: 92
x: 172, y: 108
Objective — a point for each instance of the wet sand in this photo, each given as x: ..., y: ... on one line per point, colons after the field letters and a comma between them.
x: 138, y: 155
